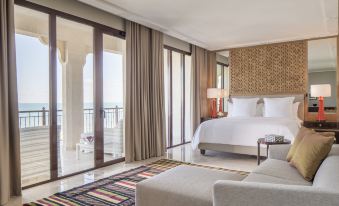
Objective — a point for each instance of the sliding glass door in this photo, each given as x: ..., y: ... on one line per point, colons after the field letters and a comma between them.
x: 188, y: 100
x: 71, y: 96
x: 33, y: 95
x: 177, y: 98
x: 74, y: 96
x: 177, y: 79
x: 113, y: 96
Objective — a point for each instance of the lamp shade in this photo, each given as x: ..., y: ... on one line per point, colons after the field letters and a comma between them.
x: 213, y: 93
x: 321, y: 90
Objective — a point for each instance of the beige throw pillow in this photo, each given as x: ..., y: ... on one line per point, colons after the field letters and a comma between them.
x: 301, y: 134
x: 327, y: 134
x: 309, y: 154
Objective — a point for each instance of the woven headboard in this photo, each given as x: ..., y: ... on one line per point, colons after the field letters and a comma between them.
x: 298, y: 98
x: 269, y: 69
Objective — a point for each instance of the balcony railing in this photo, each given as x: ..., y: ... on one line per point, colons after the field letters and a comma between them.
x: 38, y: 118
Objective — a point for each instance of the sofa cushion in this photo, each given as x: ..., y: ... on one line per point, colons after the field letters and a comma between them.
x: 310, y: 152
x: 182, y: 186
x: 301, y: 134
x: 327, y: 175
x: 254, y: 177
x: 280, y: 169
x: 334, y: 150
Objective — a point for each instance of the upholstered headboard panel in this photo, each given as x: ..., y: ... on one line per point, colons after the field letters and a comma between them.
x: 298, y: 98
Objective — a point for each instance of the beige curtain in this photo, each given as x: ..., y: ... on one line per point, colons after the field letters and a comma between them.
x: 203, y: 77
x: 144, y: 120
x: 10, y: 177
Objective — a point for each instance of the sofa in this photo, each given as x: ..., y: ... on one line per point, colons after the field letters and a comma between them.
x: 274, y: 182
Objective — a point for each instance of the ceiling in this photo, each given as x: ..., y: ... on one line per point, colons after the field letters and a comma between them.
x: 222, y: 24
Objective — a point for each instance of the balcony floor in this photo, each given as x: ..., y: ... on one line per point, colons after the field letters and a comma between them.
x: 35, y: 155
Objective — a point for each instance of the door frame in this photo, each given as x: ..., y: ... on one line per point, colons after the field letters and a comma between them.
x: 98, y: 31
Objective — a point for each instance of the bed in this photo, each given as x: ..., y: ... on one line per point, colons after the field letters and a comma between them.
x: 240, y: 134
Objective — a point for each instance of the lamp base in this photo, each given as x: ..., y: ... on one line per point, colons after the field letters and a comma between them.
x: 321, y: 111
x: 214, y: 108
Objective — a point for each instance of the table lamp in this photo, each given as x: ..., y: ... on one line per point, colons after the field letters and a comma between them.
x: 213, y: 94
x: 223, y: 94
x: 320, y: 91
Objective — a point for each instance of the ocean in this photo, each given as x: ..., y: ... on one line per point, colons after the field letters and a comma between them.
x: 34, y: 119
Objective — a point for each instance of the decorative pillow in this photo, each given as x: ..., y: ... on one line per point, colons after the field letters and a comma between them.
x: 327, y: 134
x: 244, y: 107
x: 295, y: 109
x: 279, y: 107
x: 301, y: 134
x: 311, y: 151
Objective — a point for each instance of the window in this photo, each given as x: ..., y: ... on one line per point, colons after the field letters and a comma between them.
x: 222, y: 82
x: 70, y: 93
x: 177, y: 79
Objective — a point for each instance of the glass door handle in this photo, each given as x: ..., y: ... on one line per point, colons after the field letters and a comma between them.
x: 102, y: 113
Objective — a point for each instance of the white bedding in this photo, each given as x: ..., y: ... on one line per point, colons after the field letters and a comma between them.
x: 244, y: 131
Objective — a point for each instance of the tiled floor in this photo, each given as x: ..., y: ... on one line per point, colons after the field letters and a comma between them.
x: 181, y: 153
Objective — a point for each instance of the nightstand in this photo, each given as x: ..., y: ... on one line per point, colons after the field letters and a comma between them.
x: 324, y: 127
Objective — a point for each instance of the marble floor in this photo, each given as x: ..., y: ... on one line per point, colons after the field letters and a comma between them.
x: 181, y: 153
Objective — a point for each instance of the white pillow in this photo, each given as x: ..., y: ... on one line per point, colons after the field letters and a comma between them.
x: 279, y: 107
x: 229, y: 109
x: 244, y: 107
x: 260, y: 110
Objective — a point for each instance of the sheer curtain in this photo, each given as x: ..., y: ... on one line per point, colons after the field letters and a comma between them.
x: 144, y: 115
x: 10, y: 177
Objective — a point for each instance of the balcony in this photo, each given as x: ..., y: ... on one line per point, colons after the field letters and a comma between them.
x: 35, y: 143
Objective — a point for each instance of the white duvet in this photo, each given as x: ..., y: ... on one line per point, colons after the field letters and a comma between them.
x: 244, y: 131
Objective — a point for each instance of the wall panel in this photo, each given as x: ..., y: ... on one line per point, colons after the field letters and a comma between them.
x: 269, y: 69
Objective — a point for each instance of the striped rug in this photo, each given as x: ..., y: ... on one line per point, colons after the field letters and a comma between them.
x: 115, y: 190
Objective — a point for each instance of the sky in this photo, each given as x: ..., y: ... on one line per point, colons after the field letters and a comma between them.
x: 33, y: 75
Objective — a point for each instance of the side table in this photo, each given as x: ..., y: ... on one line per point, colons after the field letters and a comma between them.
x: 263, y: 141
